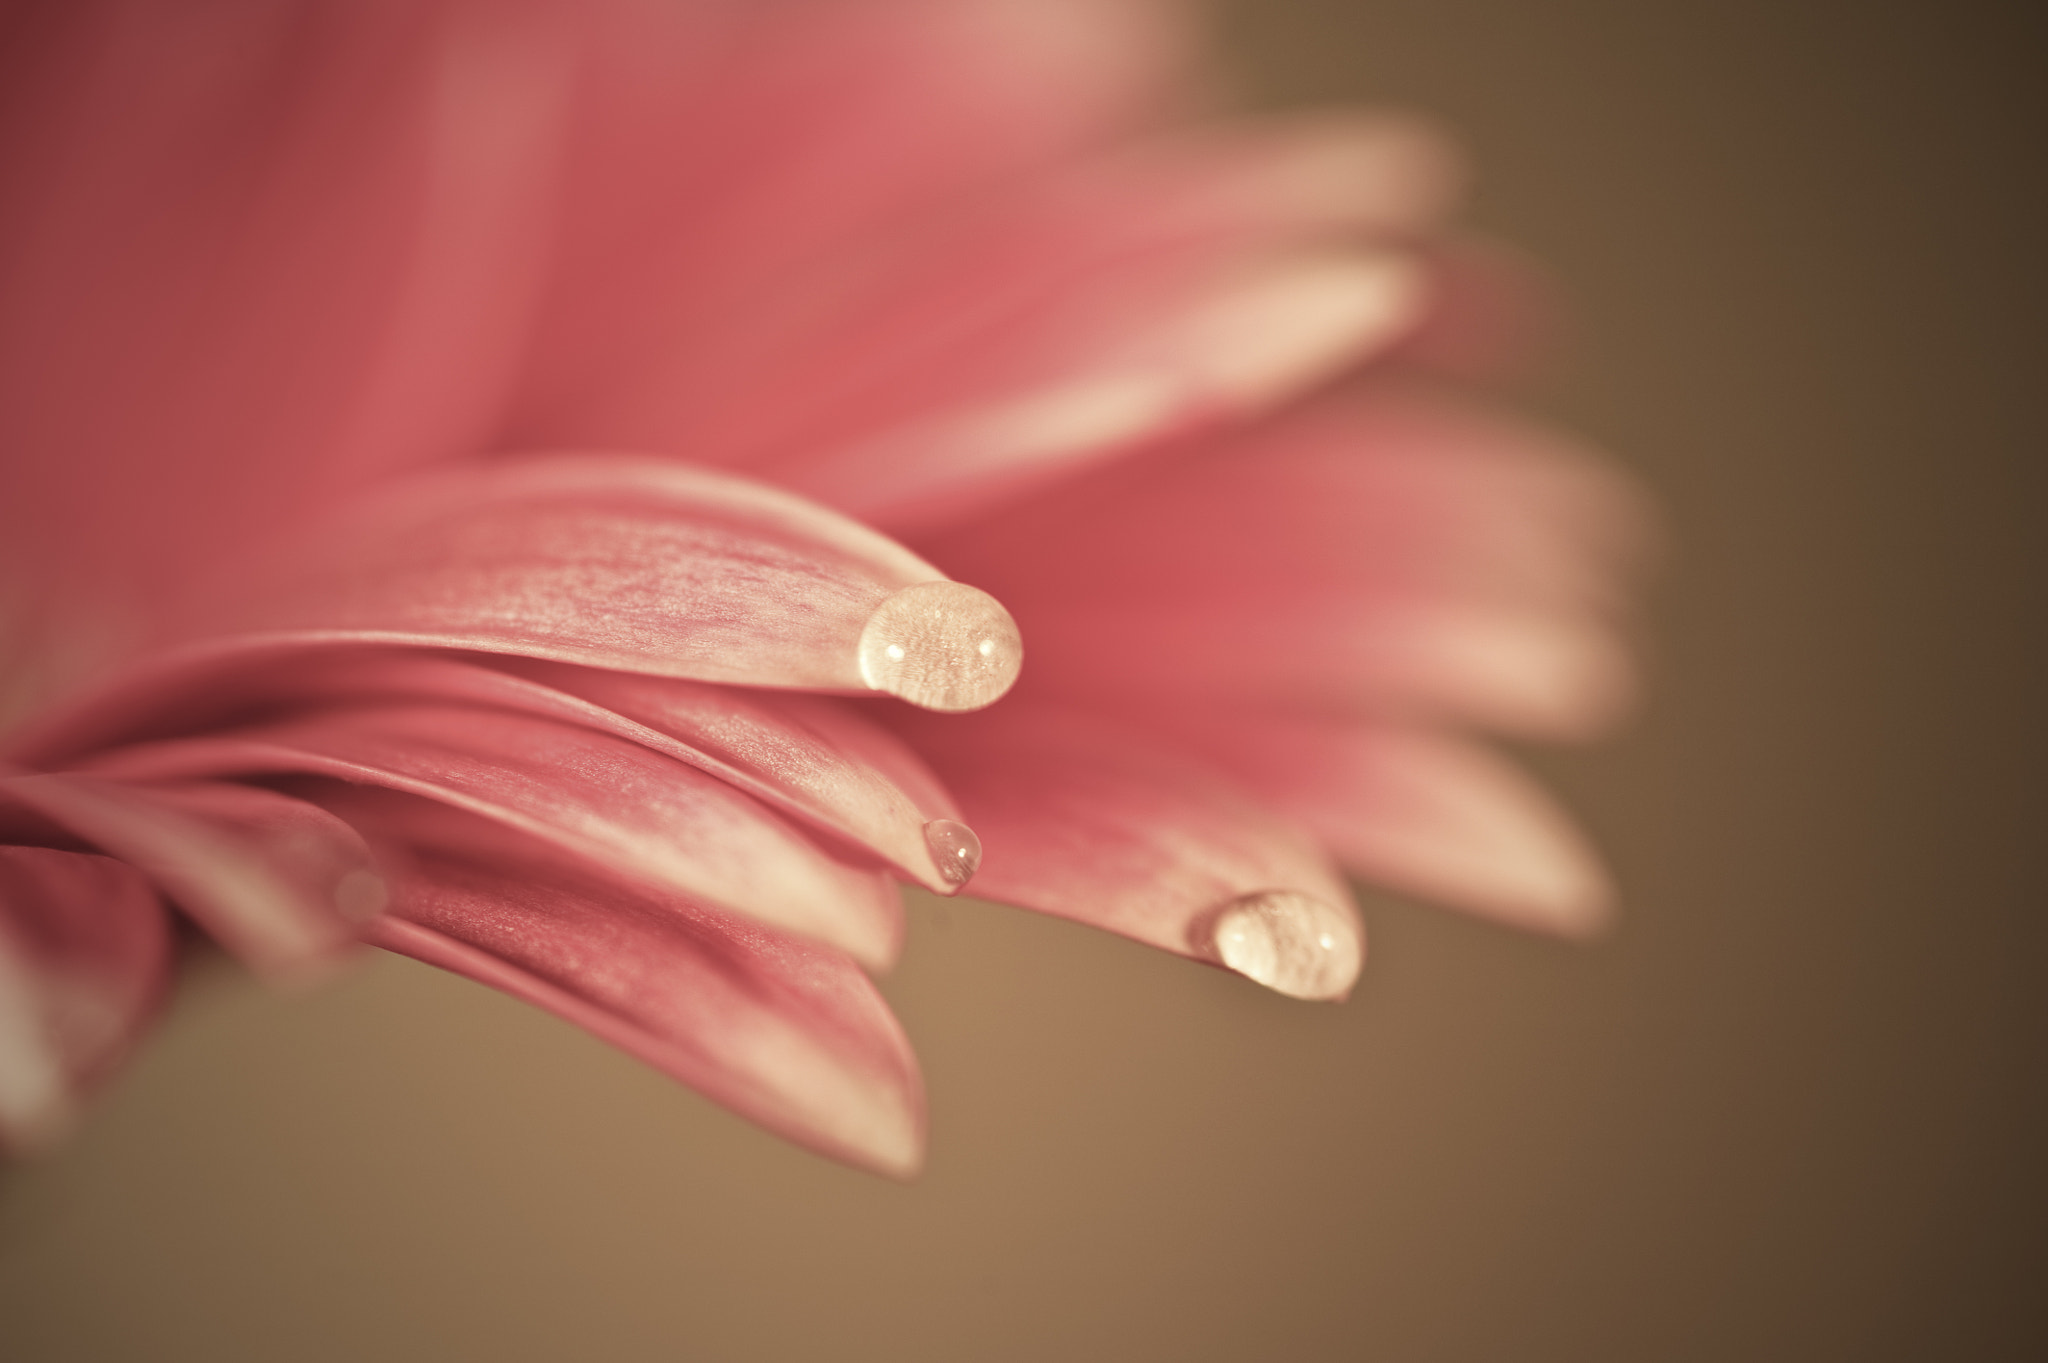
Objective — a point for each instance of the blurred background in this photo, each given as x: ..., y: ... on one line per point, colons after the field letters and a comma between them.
x: 1792, y: 1110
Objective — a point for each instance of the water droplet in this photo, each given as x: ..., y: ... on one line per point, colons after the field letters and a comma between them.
x: 360, y: 896
x: 1293, y: 943
x: 955, y: 848
x: 941, y: 646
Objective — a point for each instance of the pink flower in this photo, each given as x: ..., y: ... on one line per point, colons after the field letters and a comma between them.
x: 289, y: 646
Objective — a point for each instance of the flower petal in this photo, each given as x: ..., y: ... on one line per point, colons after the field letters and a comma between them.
x: 729, y: 177
x: 814, y: 757
x: 84, y: 956
x: 634, y: 565
x: 1516, y: 672
x: 669, y: 826
x: 1104, y: 307
x: 282, y: 884
x: 1385, y: 551
x: 789, y: 1034
x: 644, y: 566
x: 1085, y: 819
x: 1131, y: 361
x: 1419, y: 812
x: 298, y: 241
x: 811, y: 756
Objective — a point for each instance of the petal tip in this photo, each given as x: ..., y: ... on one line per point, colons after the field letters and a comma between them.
x: 941, y: 646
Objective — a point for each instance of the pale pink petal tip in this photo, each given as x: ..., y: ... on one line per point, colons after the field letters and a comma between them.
x: 36, y: 1104
x: 1292, y: 943
x: 941, y: 646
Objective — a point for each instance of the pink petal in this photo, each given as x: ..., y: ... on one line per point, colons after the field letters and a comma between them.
x: 1419, y: 812
x: 1392, y: 487
x: 1053, y: 326
x: 256, y: 255
x: 809, y: 756
x: 671, y: 827
x: 727, y: 172
x: 644, y: 566
x: 1087, y: 820
x: 1130, y: 361
x: 84, y: 955
x: 635, y: 565
x: 1516, y: 672
x: 1385, y: 551
x: 283, y: 884
x: 788, y: 1034
x: 1494, y: 314
x: 279, y: 883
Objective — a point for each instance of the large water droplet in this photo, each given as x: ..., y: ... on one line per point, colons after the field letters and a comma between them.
x: 1293, y: 943
x: 955, y: 848
x: 941, y: 646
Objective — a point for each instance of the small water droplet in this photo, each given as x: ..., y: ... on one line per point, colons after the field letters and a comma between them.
x: 1293, y: 943
x: 941, y: 646
x: 360, y: 895
x: 955, y: 848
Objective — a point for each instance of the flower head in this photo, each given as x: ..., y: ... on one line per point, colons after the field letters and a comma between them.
x: 452, y: 459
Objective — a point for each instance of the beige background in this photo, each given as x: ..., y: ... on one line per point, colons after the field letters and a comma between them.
x: 1792, y: 1111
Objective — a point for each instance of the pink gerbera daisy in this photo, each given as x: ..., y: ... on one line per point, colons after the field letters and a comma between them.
x: 449, y: 458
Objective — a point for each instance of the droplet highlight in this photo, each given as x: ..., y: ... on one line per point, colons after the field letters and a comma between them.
x: 1293, y: 943
x: 955, y: 849
x: 941, y: 646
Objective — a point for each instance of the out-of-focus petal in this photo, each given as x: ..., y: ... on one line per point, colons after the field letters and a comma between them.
x: 1494, y: 314
x: 84, y: 954
x: 1419, y: 812
x: 1084, y: 819
x: 1383, y: 551
x: 1131, y: 362
x: 737, y: 166
x: 1393, y: 489
x: 671, y: 827
x: 1117, y: 304
x: 1518, y: 672
x: 787, y: 1033
x: 256, y: 255
x: 283, y: 884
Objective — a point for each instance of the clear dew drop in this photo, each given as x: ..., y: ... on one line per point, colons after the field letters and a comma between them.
x: 941, y: 646
x: 955, y: 849
x: 1293, y: 943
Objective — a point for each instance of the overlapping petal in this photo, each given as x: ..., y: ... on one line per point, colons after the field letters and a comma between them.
x: 84, y: 955
x: 1115, y: 305
x: 1423, y: 812
x: 1387, y: 552
x: 283, y: 884
x: 665, y: 824
x: 744, y: 176
x: 787, y: 1033
x: 256, y: 256
x: 1085, y: 819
